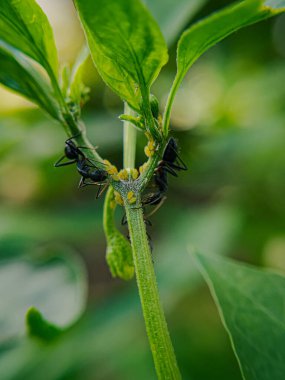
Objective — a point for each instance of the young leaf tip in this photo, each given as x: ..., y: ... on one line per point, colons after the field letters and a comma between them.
x: 40, y: 328
x: 119, y: 257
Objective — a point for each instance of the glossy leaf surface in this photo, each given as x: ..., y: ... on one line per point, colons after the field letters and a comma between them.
x: 251, y: 305
x: 126, y: 45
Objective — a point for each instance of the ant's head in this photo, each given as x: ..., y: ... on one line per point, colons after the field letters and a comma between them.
x: 71, y: 151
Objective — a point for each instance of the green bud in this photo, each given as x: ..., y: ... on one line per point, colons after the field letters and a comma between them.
x: 119, y: 256
x: 119, y: 251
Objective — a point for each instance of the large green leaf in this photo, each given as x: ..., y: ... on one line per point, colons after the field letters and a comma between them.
x: 206, y: 33
x: 56, y: 285
x: 18, y: 74
x: 126, y: 45
x: 172, y: 15
x: 24, y: 25
x: 251, y: 304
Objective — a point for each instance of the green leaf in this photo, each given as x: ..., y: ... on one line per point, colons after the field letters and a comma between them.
x: 77, y: 90
x: 173, y: 15
x: 126, y: 45
x: 119, y: 251
x: 251, y: 304
x: 54, y: 284
x: 24, y: 25
x: 209, y: 31
x: 18, y: 74
x: 38, y: 327
x: 135, y: 120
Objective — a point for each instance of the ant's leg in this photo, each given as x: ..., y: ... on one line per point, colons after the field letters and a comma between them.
x: 81, y: 182
x: 124, y: 220
x: 170, y: 170
x: 72, y: 137
x: 58, y: 163
x: 182, y: 165
x: 157, y: 207
x: 104, y: 188
x: 147, y: 222
x: 175, y: 166
x: 100, y: 192
x: 87, y: 147
x: 152, y: 199
x: 162, y: 183
x: 150, y: 245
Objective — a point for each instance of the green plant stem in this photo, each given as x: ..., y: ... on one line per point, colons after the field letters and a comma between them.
x: 156, y: 327
x: 130, y: 136
x: 168, y: 107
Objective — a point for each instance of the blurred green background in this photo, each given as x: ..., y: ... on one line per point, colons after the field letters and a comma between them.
x: 229, y: 119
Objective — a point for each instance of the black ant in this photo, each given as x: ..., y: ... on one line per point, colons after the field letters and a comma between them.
x: 98, y: 176
x: 72, y: 152
x: 84, y: 165
x: 170, y: 163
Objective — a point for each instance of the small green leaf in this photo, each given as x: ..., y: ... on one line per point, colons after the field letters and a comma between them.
x: 24, y: 25
x: 38, y: 327
x: 135, y: 120
x: 18, y: 74
x: 119, y: 251
x: 251, y: 304
x: 209, y: 31
x: 77, y: 91
x: 74, y: 91
x: 126, y: 45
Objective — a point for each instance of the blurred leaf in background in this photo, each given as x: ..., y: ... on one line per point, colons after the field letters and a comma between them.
x: 54, y: 282
x: 250, y: 302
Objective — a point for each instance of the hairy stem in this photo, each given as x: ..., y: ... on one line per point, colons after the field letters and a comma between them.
x: 158, y: 335
x: 130, y: 135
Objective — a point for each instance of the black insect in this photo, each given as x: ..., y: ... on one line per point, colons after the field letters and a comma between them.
x: 171, y: 163
x: 97, y: 175
x: 71, y: 152
x: 85, y: 167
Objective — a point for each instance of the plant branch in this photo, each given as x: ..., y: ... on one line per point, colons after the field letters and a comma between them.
x: 157, y: 331
x: 168, y: 107
x: 130, y: 135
